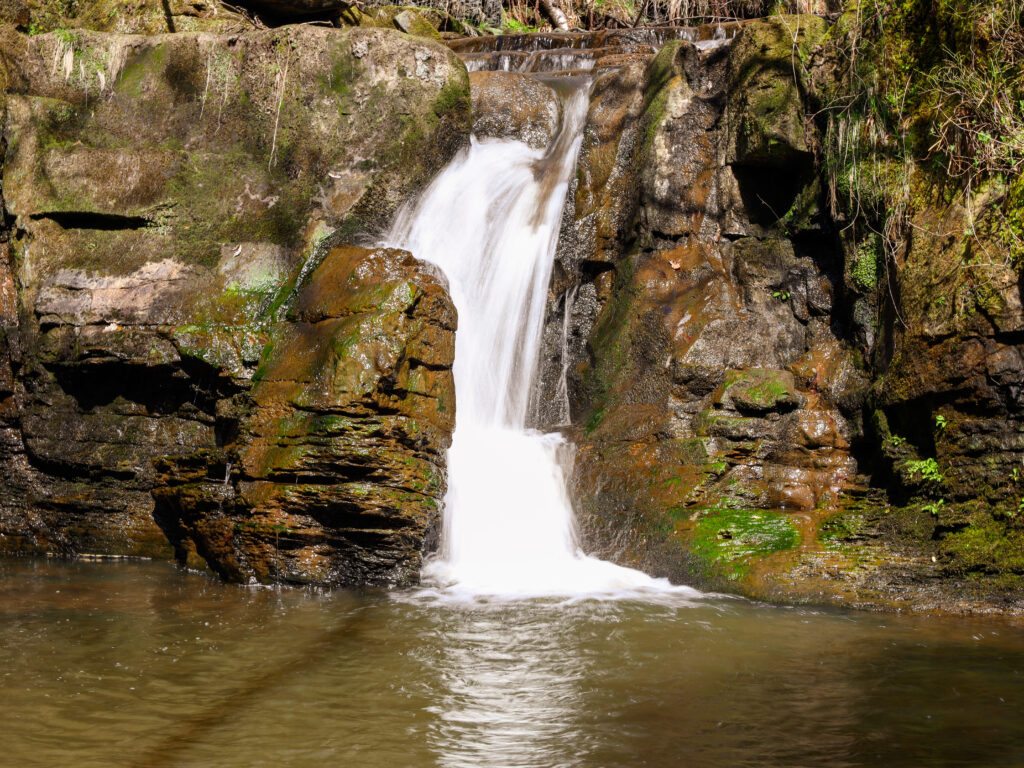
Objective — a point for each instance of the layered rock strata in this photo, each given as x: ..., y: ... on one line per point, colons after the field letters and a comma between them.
x: 192, y: 368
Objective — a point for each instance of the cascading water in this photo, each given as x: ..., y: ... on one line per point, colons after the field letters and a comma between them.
x: 490, y: 222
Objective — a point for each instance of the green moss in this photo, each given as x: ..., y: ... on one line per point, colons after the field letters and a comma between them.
x: 662, y: 73
x: 453, y: 98
x: 132, y: 80
x: 1011, y: 215
x: 756, y: 390
x: 612, y: 337
x: 729, y: 540
x: 864, y: 270
x: 693, y: 451
x: 985, y: 546
x: 840, y: 529
x: 346, y: 70
x: 595, y: 420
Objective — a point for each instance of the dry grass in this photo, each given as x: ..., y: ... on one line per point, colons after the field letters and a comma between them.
x: 601, y: 14
x: 978, y: 93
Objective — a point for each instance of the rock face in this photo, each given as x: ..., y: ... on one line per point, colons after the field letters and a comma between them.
x: 509, y: 105
x: 178, y: 381
x: 742, y: 419
x: 337, y: 466
x: 201, y: 357
x: 289, y: 11
x: 709, y: 378
x: 139, y: 17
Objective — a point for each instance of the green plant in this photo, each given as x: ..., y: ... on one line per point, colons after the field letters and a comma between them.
x: 512, y: 25
x: 943, y: 106
x: 926, y: 469
x: 865, y: 265
x: 781, y: 295
x: 896, y: 441
x: 65, y: 36
x: 940, y: 421
x: 934, y: 508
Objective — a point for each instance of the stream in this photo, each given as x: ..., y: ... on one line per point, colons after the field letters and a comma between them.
x: 141, y: 664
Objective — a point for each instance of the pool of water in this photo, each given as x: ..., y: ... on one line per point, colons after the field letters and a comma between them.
x: 140, y: 664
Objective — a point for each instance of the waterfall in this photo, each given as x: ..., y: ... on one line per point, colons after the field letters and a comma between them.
x: 562, y: 387
x: 490, y: 223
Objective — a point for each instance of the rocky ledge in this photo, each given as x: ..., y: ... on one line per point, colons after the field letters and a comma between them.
x: 193, y: 363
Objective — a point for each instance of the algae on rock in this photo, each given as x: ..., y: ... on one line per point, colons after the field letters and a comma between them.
x: 171, y: 198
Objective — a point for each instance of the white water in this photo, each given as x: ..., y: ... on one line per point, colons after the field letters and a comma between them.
x: 490, y: 222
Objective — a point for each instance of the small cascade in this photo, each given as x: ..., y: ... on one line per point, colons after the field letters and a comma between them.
x: 490, y: 222
x: 562, y: 386
x: 581, y: 51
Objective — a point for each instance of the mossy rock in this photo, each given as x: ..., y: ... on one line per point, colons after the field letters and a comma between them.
x: 759, y: 391
x: 173, y: 197
x: 413, y: 20
x: 730, y: 541
x: 767, y: 72
x: 985, y: 546
x: 137, y: 17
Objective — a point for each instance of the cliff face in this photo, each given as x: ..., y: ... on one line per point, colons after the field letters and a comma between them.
x: 176, y: 381
x: 707, y: 371
x: 761, y: 398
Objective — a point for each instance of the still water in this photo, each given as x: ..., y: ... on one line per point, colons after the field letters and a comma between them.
x: 140, y: 664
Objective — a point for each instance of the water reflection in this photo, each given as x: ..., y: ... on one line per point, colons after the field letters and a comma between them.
x: 513, y: 679
x: 144, y: 665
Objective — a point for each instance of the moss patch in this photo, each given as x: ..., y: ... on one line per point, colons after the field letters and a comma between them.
x: 729, y: 539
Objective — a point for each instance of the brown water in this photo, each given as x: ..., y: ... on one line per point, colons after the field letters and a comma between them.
x: 139, y: 664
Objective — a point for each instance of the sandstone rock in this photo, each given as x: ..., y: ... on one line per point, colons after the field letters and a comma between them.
x: 698, y: 389
x: 765, y: 105
x: 172, y: 198
x: 342, y: 452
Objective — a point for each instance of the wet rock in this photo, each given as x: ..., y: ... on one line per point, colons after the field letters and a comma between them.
x: 508, y: 105
x: 341, y: 454
x: 168, y: 200
x: 759, y: 391
x: 743, y: 359
x: 702, y: 382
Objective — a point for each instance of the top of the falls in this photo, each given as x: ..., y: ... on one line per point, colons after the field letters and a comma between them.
x: 565, y: 52
x: 541, y: 41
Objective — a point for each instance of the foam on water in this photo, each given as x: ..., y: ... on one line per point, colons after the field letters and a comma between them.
x: 490, y: 222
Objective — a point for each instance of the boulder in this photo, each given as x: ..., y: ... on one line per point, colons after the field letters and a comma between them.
x: 509, y: 105
x: 341, y: 454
